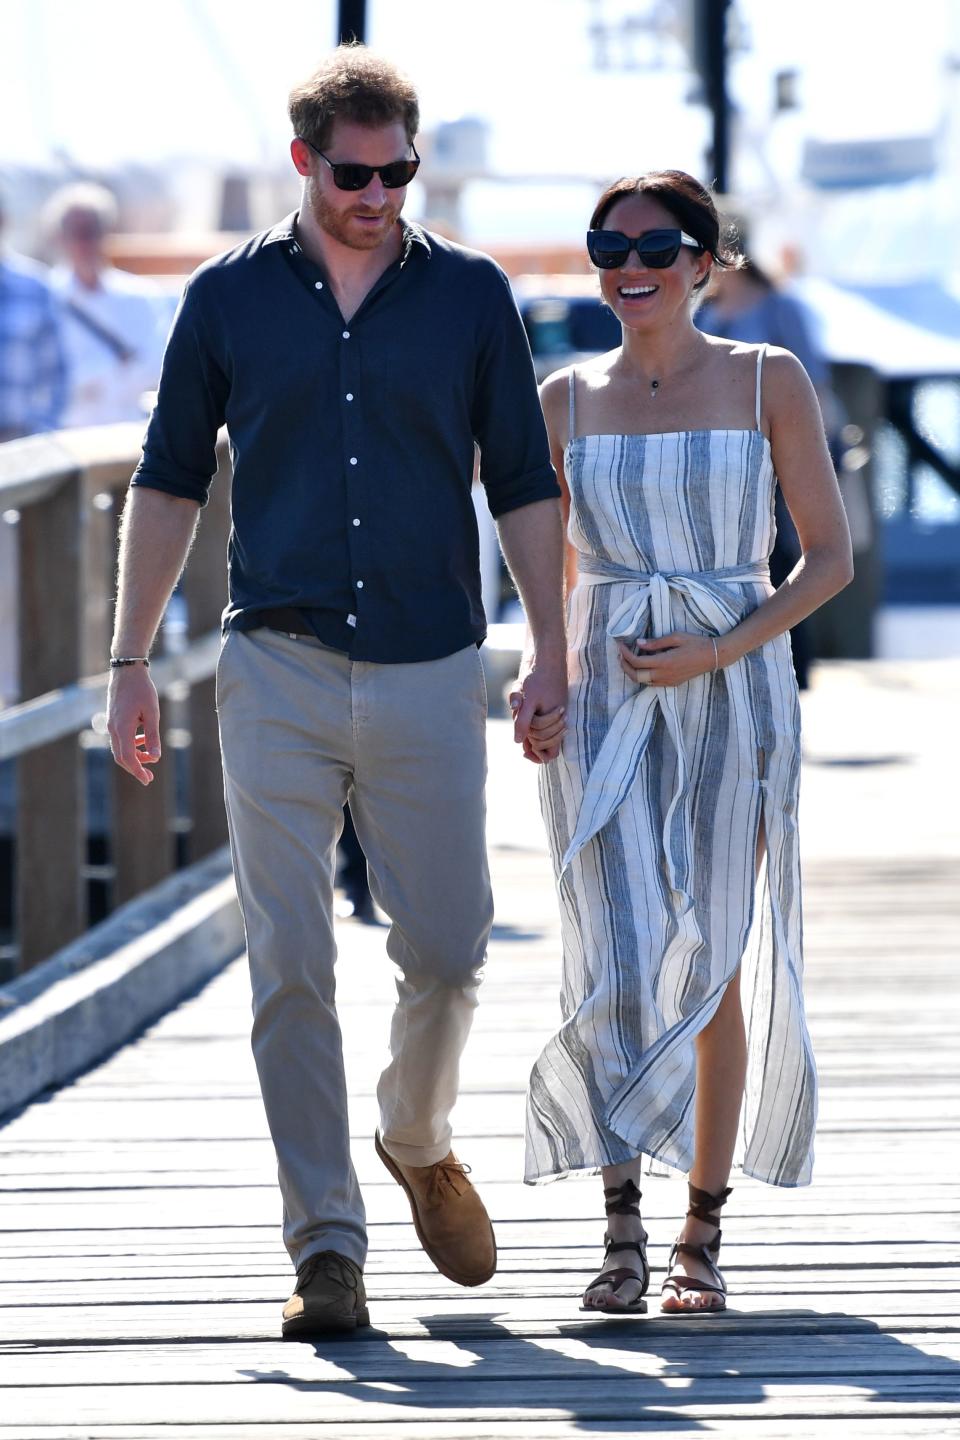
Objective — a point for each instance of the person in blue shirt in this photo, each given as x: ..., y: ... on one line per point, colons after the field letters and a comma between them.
x: 33, y: 393
x: 356, y: 360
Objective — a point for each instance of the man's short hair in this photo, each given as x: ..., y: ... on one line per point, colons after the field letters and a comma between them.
x: 85, y: 197
x: 353, y: 84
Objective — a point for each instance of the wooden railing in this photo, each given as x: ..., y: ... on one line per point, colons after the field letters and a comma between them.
x: 68, y: 489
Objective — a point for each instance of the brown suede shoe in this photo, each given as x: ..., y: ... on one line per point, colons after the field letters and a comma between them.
x: 449, y: 1217
x: 328, y: 1297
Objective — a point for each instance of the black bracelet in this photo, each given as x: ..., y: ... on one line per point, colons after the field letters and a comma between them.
x: 116, y: 663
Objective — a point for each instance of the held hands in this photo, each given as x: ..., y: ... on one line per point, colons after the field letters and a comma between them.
x: 668, y: 661
x: 133, y: 721
x: 538, y: 701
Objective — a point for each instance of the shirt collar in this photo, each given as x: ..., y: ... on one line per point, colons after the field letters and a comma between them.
x: 283, y: 230
x: 412, y: 234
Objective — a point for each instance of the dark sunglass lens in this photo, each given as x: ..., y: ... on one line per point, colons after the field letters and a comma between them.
x: 659, y: 249
x: 606, y: 249
x: 401, y: 172
x: 352, y: 177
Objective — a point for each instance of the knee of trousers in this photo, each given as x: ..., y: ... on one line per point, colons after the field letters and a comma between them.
x: 453, y: 954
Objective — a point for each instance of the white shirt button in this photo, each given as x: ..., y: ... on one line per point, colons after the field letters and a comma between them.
x: 349, y: 395
x: 346, y: 334
x: 353, y: 459
x: 356, y: 522
x: 359, y: 584
x: 318, y: 285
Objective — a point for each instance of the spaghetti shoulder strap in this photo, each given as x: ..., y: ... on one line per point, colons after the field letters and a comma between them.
x: 572, y: 387
x: 761, y: 351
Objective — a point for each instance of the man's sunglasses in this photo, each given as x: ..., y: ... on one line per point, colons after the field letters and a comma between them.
x: 657, y: 249
x: 348, y: 176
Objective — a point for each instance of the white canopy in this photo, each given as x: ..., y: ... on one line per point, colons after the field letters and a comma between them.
x: 901, y: 331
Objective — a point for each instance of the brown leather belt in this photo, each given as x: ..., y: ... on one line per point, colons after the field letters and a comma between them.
x: 291, y: 622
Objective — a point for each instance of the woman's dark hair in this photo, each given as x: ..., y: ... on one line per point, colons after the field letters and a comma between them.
x: 689, y: 202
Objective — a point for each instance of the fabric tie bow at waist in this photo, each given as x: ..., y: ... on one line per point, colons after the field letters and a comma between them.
x: 625, y: 743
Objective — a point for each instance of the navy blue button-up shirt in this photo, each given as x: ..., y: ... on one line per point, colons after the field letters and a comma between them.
x: 352, y: 442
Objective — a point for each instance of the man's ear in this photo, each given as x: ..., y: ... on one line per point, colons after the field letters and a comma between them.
x: 300, y: 155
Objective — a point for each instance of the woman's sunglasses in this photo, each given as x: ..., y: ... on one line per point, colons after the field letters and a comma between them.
x: 609, y: 249
x: 348, y: 176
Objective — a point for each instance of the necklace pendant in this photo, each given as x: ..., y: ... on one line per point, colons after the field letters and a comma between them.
x: 654, y: 387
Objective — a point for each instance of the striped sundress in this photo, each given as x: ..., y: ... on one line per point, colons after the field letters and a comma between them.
x: 652, y: 813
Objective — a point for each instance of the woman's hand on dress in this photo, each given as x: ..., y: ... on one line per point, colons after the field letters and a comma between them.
x: 670, y: 660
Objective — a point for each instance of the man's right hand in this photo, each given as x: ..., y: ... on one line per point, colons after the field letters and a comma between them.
x: 133, y: 721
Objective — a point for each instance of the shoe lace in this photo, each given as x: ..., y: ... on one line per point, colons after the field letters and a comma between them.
x: 332, y: 1265
x: 447, y: 1175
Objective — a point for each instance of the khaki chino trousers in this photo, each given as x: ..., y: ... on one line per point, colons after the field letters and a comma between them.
x: 303, y: 729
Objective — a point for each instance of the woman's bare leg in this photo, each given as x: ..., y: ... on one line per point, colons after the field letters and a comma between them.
x: 721, y: 1072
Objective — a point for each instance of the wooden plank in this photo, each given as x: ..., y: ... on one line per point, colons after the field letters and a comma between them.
x: 844, y: 1427
x: 271, y: 1399
x: 640, y: 1354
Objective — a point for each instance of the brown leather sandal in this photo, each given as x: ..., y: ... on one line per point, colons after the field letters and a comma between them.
x: 701, y: 1205
x: 621, y: 1200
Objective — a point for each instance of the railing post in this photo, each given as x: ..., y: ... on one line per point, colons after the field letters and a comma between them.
x: 50, y: 808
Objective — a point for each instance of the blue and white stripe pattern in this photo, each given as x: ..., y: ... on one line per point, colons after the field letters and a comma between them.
x: 652, y: 813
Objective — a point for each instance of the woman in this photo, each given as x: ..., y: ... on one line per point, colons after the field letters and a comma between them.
x: 680, y: 767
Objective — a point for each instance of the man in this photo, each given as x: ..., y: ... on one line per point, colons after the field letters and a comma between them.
x: 33, y: 384
x: 114, y: 323
x: 356, y: 359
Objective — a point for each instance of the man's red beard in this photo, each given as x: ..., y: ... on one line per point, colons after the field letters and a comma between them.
x: 336, y: 223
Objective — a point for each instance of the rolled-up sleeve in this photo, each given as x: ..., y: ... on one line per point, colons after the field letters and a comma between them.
x: 507, y: 420
x: 180, y: 448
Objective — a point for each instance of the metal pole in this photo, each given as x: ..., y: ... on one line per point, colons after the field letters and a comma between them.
x: 351, y: 21
x: 710, y: 49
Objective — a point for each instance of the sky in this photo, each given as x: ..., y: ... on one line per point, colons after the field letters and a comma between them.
x: 96, y: 83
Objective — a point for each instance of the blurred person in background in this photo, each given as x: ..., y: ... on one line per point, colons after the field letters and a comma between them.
x: 356, y: 360
x: 352, y: 877
x: 115, y: 323
x: 33, y: 392
x: 743, y: 303
x: 680, y: 768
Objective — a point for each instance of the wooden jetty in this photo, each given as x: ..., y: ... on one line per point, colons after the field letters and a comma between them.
x: 141, y: 1269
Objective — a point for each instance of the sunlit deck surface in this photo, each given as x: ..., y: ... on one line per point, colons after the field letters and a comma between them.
x: 141, y: 1268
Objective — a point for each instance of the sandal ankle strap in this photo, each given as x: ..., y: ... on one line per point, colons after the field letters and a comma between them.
x: 702, y: 1203
x: 622, y: 1199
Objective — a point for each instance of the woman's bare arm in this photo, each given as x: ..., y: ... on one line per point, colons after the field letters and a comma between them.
x: 809, y: 483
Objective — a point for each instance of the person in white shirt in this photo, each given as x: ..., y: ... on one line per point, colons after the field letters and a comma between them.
x: 114, y: 323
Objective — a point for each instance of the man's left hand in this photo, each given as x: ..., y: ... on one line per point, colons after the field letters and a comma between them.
x: 539, y: 702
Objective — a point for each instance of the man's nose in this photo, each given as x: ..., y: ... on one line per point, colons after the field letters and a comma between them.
x: 375, y: 193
